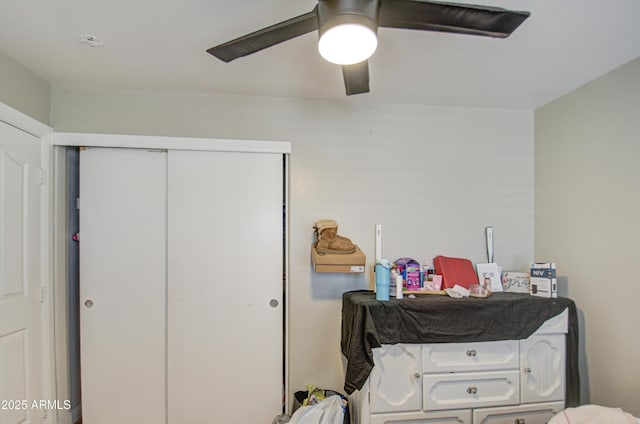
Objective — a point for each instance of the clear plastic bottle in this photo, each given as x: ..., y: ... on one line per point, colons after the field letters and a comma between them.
x: 393, y: 273
x: 399, y: 286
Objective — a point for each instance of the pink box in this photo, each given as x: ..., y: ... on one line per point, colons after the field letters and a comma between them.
x: 410, y: 269
x: 434, y: 284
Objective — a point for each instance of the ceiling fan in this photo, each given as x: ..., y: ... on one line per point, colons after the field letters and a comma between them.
x: 348, y: 30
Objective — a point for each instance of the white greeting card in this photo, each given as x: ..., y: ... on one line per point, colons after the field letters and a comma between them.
x: 489, y: 275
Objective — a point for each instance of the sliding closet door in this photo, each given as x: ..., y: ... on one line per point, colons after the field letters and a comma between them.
x: 225, y: 273
x: 123, y: 285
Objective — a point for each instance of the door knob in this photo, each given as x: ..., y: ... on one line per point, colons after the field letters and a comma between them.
x: 88, y: 303
x: 273, y: 303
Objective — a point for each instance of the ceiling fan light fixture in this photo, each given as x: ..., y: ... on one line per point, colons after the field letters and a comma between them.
x: 348, y: 30
x: 348, y: 42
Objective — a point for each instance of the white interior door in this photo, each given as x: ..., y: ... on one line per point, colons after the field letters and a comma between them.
x: 225, y: 273
x: 123, y: 285
x: 20, y: 319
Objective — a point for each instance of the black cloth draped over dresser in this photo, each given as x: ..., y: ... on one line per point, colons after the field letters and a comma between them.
x: 368, y: 324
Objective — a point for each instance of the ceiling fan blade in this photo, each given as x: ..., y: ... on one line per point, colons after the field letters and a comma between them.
x: 266, y: 37
x: 356, y: 78
x: 450, y: 17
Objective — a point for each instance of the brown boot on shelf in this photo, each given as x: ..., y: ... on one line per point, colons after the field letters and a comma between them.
x: 328, y: 239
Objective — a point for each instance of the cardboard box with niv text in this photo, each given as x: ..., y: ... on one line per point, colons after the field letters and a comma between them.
x: 542, y: 281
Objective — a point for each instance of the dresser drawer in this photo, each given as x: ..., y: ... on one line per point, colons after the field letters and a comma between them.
x: 470, y: 390
x: 468, y: 357
x: 539, y: 413
x: 438, y: 417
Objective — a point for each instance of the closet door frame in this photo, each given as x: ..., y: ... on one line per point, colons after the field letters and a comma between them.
x: 63, y: 139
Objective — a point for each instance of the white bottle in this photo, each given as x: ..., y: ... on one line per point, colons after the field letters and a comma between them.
x: 399, y: 286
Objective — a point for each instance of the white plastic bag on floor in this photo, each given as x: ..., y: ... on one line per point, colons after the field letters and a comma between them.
x: 327, y: 411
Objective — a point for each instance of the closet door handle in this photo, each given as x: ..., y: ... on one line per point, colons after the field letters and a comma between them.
x: 88, y: 303
x: 274, y: 303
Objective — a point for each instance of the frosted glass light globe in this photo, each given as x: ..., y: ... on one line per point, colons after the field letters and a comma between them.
x: 347, y: 44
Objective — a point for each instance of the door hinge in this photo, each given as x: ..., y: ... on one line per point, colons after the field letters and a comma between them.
x: 43, y: 294
x: 42, y: 176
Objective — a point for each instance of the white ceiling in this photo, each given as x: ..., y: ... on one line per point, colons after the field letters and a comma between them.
x: 161, y: 45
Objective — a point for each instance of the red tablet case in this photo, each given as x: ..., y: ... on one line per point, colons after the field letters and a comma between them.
x: 455, y: 271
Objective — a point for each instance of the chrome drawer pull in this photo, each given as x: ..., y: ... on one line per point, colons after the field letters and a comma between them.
x: 527, y: 370
x: 472, y: 390
x: 471, y: 353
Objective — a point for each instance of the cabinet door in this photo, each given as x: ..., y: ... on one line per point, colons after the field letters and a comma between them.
x: 542, y: 361
x: 225, y: 287
x: 539, y: 413
x: 394, y: 382
x: 439, y: 417
x: 123, y: 285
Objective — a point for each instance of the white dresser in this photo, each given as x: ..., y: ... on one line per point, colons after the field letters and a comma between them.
x: 508, y: 381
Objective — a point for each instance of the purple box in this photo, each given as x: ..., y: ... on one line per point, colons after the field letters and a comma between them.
x: 410, y: 269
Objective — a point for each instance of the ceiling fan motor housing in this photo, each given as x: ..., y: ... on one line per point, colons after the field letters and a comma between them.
x: 336, y: 12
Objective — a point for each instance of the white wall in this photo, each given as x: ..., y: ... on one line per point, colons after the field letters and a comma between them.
x: 23, y: 90
x: 433, y: 177
x: 587, y: 209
